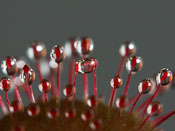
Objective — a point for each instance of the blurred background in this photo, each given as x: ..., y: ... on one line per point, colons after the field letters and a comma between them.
x: 109, y: 23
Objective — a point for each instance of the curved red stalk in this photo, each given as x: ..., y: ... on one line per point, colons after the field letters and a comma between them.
x: 161, y: 119
x: 112, y: 97
x: 127, y: 84
x: 58, y: 82
x: 7, y: 100
x: 85, y: 86
x: 135, y: 102
x: 45, y: 98
x: 39, y: 69
x: 51, y: 78
x: 95, y: 84
x: 150, y: 100
x: 142, y: 124
x: 32, y: 98
x: 121, y: 65
x: 142, y: 105
x: 18, y: 96
x: 71, y: 68
x: 75, y: 77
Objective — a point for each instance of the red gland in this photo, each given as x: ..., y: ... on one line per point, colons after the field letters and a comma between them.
x: 9, y: 66
x: 164, y: 77
x: 84, y: 46
x: 86, y: 65
x: 5, y: 84
x: 122, y: 102
x: 53, y: 113
x: 37, y: 50
x: 68, y: 90
x: 70, y: 113
x: 15, y: 106
x: 86, y: 116
x: 95, y: 125
x: 44, y: 86
x: 155, y: 108
x: 27, y: 75
x: 134, y: 64
x: 145, y: 86
x: 57, y: 54
x: 33, y: 110
x: 91, y: 101
x: 116, y: 82
x: 127, y: 49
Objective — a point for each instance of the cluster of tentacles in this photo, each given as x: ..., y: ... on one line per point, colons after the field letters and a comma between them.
x: 53, y: 113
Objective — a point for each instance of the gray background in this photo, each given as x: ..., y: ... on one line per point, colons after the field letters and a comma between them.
x: 149, y: 23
